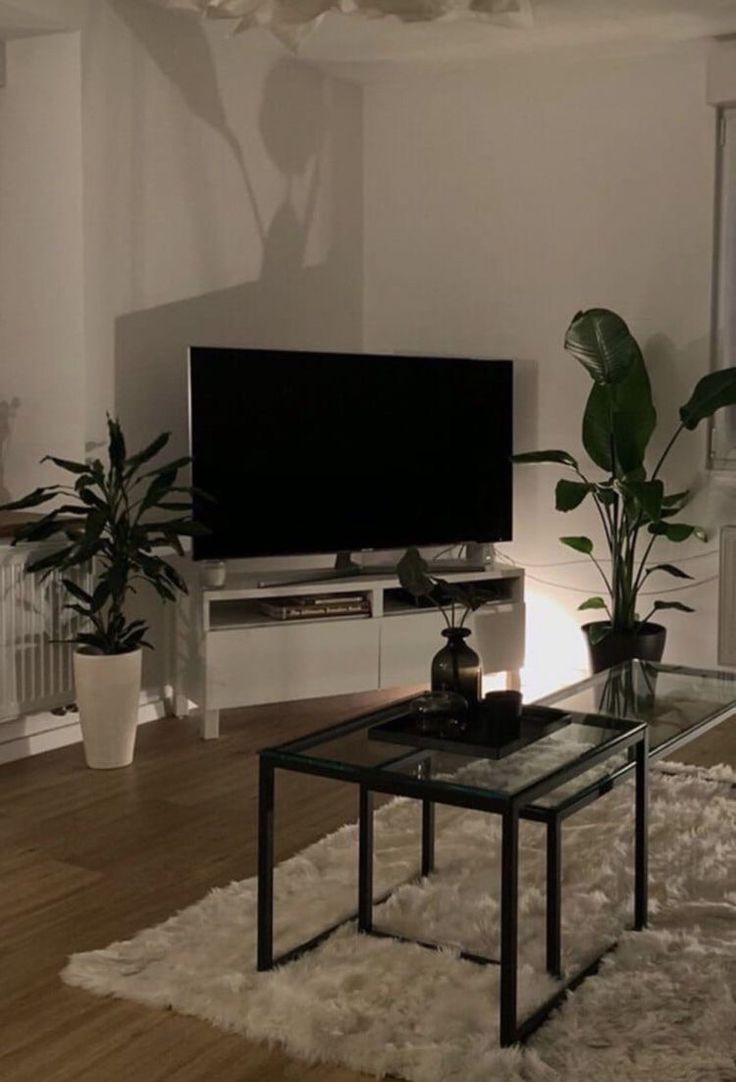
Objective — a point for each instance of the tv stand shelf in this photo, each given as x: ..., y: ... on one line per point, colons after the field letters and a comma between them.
x: 229, y: 653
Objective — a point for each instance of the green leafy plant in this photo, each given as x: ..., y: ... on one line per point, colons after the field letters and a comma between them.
x: 633, y: 506
x: 112, y: 517
x: 455, y: 600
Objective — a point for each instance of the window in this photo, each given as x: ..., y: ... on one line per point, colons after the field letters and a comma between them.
x: 723, y: 426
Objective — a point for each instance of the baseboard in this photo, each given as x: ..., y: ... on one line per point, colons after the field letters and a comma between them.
x: 36, y: 733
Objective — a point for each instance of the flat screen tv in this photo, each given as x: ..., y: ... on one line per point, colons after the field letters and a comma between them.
x: 325, y: 452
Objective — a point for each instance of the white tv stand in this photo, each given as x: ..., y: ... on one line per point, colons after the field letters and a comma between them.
x: 228, y: 653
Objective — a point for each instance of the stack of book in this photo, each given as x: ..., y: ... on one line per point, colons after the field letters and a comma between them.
x: 315, y: 605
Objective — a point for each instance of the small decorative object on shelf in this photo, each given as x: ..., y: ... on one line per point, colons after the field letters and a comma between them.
x: 434, y: 710
x: 213, y: 574
x: 457, y: 666
x: 498, y: 716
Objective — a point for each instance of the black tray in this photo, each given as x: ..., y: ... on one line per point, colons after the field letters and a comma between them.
x: 535, y: 722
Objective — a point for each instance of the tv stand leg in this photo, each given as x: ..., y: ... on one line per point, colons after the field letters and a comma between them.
x: 210, y: 724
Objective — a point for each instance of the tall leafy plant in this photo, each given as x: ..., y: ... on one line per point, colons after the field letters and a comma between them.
x: 633, y: 506
x: 112, y: 516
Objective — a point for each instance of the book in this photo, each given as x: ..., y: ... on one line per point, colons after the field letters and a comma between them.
x: 296, y: 608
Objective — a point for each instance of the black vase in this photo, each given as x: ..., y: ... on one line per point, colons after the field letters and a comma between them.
x: 646, y: 643
x: 457, y: 666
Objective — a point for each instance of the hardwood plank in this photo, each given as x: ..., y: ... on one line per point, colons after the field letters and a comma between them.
x: 93, y: 856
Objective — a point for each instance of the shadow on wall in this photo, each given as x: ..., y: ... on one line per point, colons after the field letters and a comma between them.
x: 291, y: 305
x: 185, y: 59
x: 8, y: 412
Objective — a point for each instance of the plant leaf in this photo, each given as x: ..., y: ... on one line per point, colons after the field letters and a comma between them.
x: 413, y: 573
x: 677, y: 531
x: 648, y: 495
x: 580, y: 544
x: 593, y: 603
x: 712, y: 392
x: 76, y: 591
x: 659, y: 606
x: 116, y: 445
x: 67, y: 464
x: 560, y: 457
x: 620, y: 416
x: 600, y: 340
x: 605, y: 494
x: 570, y: 494
x: 100, y: 595
x: 137, y: 460
x: 50, y: 562
x: 39, y: 531
x: 670, y: 569
x: 33, y: 499
x: 175, y: 465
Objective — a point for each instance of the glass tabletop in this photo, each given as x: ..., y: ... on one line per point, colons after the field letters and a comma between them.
x: 569, y: 742
x: 677, y: 703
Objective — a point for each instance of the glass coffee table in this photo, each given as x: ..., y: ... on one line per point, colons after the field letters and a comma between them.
x: 678, y: 703
x: 568, y: 752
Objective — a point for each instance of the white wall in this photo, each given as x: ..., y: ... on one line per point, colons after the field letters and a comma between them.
x: 215, y: 198
x: 502, y: 198
x: 222, y: 205
x: 41, y: 302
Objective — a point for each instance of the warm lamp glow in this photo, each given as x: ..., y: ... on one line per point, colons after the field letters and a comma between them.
x: 555, y: 648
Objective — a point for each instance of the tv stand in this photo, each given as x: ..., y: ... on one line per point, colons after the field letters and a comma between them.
x: 229, y: 651
x: 477, y: 558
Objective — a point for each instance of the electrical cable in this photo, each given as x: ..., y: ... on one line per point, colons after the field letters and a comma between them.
x: 601, y: 560
x: 690, y: 585
x: 642, y: 593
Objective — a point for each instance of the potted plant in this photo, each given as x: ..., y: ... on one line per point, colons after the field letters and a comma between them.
x: 632, y: 504
x: 457, y: 666
x: 112, y: 516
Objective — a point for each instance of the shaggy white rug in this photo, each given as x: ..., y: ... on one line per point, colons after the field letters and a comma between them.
x: 662, y: 1005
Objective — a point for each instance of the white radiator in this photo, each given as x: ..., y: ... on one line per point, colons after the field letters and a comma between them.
x: 35, y: 670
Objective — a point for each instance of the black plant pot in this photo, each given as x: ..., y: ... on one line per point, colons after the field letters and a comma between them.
x: 457, y: 667
x: 646, y: 643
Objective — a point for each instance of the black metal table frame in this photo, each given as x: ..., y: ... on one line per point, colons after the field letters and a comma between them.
x: 511, y: 809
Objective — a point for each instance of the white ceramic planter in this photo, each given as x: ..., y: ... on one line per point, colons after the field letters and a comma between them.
x: 108, y: 688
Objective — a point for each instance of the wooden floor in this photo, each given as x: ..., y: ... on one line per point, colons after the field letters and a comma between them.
x: 87, y: 857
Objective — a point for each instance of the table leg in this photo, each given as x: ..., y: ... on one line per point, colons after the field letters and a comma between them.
x: 509, y: 925
x: 428, y: 822
x: 554, y: 896
x: 427, y: 837
x: 641, y: 850
x: 365, y: 860
x: 265, y: 865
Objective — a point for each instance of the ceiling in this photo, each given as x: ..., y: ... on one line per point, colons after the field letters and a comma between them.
x: 356, y: 33
x: 354, y: 36
x: 555, y: 23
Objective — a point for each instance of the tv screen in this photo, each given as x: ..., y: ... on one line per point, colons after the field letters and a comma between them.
x: 325, y: 452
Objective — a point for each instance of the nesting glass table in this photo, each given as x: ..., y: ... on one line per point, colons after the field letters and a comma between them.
x: 606, y: 729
